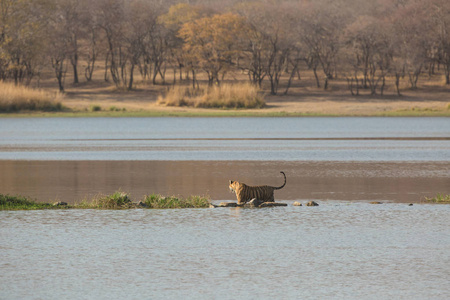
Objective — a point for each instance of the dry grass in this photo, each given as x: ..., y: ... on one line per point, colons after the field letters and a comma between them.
x: 242, y: 95
x: 14, y: 98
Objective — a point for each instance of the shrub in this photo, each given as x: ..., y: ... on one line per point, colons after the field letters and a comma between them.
x: 96, y: 108
x: 14, y: 98
x: 217, y: 96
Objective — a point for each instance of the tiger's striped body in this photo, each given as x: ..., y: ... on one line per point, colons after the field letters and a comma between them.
x: 246, y: 193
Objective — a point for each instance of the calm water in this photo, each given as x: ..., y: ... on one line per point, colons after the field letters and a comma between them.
x: 339, y: 250
x: 68, y: 159
x: 229, y: 139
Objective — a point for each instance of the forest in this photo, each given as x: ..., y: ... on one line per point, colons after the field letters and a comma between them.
x: 362, y: 41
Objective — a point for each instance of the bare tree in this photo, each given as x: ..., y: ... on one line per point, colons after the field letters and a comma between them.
x: 321, y: 26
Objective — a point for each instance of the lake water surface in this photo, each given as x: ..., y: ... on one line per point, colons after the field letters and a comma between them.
x: 345, y: 248
x: 338, y: 250
x: 68, y: 159
x: 230, y: 139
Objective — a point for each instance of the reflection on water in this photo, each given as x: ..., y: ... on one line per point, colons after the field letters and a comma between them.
x: 337, y: 250
x: 74, y: 180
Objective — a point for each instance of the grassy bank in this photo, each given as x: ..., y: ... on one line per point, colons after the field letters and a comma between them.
x: 16, y: 98
x: 220, y: 113
x: 118, y: 200
x: 158, y: 201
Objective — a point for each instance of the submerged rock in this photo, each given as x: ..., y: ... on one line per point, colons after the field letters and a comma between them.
x: 250, y: 204
x: 376, y: 202
x: 312, y: 203
x: 60, y: 203
x: 296, y: 203
x: 271, y: 204
x: 227, y: 204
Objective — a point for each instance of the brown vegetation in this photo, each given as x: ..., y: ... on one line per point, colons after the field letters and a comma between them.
x: 306, y: 49
x: 18, y: 98
x: 217, y: 96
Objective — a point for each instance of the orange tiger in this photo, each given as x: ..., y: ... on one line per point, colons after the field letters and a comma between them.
x: 246, y: 193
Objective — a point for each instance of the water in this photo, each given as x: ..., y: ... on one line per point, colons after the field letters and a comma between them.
x: 69, y: 159
x: 338, y: 250
x: 342, y: 249
x: 227, y: 139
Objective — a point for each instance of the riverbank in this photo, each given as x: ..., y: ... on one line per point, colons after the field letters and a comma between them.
x: 100, y: 99
x: 291, y: 108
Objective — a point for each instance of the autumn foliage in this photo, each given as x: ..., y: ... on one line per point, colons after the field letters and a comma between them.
x: 365, y: 42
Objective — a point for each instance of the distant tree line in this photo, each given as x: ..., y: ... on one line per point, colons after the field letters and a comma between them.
x: 361, y: 41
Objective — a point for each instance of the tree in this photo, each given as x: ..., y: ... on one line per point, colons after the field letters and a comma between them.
x: 213, y: 42
x: 440, y: 16
x: 173, y: 20
x: 269, y: 41
x: 321, y: 26
x: 370, y: 51
x: 22, y: 38
x: 414, y: 37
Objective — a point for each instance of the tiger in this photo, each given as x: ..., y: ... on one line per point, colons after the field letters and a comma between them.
x: 245, y: 193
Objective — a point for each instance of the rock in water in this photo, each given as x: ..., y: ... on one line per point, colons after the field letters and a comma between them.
x: 296, y: 203
x: 312, y: 203
x: 252, y: 203
x: 60, y: 203
x: 271, y: 204
x: 227, y: 204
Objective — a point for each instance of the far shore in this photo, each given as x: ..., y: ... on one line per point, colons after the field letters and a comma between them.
x: 100, y: 99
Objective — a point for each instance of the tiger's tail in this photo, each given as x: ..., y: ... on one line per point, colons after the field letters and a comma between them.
x: 280, y: 187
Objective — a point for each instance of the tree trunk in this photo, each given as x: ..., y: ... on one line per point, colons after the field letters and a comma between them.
x: 290, y: 79
x: 350, y: 85
x: 317, y: 77
x: 397, y: 83
x: 74, y: 62
x: 130, y: 84
x: 447, y: 73
x: 106, y: 67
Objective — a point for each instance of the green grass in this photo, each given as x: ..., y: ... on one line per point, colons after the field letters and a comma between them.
x: 441, y: 199
x: 8, y: 202
x: 216, y: 114
x: 117, y: 200
x: 158, y: 201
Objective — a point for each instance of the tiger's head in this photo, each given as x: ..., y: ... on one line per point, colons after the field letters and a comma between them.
x: 233, y: 186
